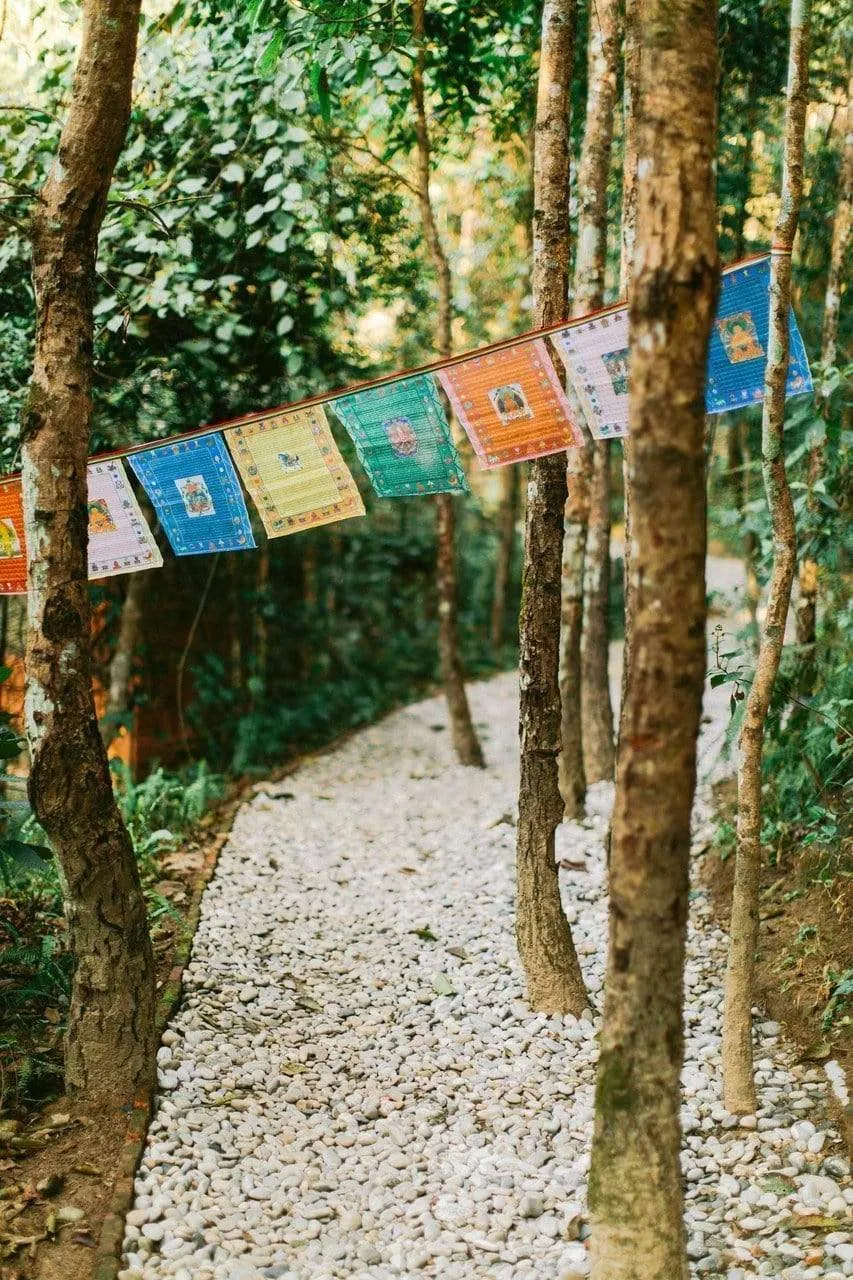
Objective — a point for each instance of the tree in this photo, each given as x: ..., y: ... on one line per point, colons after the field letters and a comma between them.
x: 554, y: 980
x: 465, y: 741
x: 631, y: 58
x: 586, y: 546
x: 121, y: 663
x: 507, y: 516
x: 635, y: 1188
x: 111, y: 1022
x: 738, y: 1079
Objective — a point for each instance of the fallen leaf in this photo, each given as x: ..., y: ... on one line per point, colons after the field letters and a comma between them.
x: 443, y: 985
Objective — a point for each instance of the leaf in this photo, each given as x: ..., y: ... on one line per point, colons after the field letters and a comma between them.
x: 319, y: 78
x: 254, y: 215
x: 269, y: 59
x: 233, y: 172
x: 425, y: 933
x: 443, y: 986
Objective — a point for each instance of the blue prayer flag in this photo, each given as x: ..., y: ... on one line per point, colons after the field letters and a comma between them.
x: 402, y: 438
x: 737, y: 354
x: 196, y: 494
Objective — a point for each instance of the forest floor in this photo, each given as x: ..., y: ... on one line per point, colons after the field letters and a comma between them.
x: 355, y: 1087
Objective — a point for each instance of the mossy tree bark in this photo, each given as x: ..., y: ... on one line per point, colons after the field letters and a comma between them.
x: 554, y: 980
x: 596, y: 705
x: 809, y: 571
x: 635, y: 1186
x: 111, y: 1020
x: 465, y: 741
x: 738, y: 1077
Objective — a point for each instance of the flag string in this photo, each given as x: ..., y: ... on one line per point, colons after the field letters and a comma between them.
x: 384, y: 380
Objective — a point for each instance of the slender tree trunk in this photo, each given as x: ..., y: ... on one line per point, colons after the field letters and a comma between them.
x: 235, y: 628
x: 507, y: 516
x: 596, y: 706
x: 260, y: 656
x: 111, y: 1020
x: 635, y: 1189
x: 806, y: 612
x: 590, y: 260
x: 464, y: 735
x: 121, y: 666
x: 629, y: 231
x: 554, y: 980
x: 738, y: 1079
x: 572, y: 775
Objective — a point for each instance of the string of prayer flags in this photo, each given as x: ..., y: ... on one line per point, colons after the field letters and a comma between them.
x: 737, y: 354
x: 511, y: 404
x: 294, y: 471
x: 595, y: 355
x: 196, y: 494
x: 120, y: 540
x: 13, y: 546
x: 402, y: 438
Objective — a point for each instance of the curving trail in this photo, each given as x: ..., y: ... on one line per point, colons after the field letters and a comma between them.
x: 354, y: 1086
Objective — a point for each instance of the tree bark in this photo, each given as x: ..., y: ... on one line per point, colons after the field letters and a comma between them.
x: 599, y: 755
x: 507, y: 516
x: 111, y: 1020
x: 554, y: 980
x: 594, y: 714
x: 635, y: 1189
x: 121, y: 666
x: 738, y: 1079
x: 809, y: 572
x: 465, y: 741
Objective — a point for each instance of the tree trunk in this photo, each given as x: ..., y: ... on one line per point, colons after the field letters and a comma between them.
x: 806, y: 613
x: 738, y: 1080
x: 465, y: 741
x: 635, y: 1188
x: 111, y: 1020
x: 596, y: 705
x: 572, y: 776
x: 580, y: 702
x: 121, y: 666
x: 629, y: 232
x: 260, y: 655
x: 554, y: 980
x: 507, y: 516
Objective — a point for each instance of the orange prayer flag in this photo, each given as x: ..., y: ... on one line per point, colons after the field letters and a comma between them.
x: 512, y: 404
x: 13, y: 546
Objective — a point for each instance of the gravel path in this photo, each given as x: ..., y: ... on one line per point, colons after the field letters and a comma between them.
x: 354, y: 1086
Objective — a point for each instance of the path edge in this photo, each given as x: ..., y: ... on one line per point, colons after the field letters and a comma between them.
x: 107, y: 1260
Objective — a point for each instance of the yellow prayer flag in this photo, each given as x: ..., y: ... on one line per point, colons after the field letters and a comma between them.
x: 293, y: 470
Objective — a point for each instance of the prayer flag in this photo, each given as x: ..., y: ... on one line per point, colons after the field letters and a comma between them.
x: 13, y: 546
x: 293, y: 470
x: 737, y: 354
x: 119, y: 538
x: 403, y: 438
x: 196, y: 494
x: 595, y: 353
x: 511, y: 404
